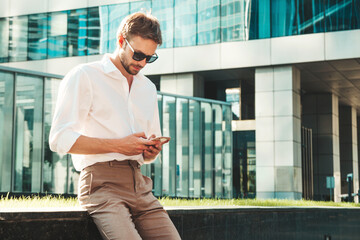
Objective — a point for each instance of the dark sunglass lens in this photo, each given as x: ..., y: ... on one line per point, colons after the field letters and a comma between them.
x: 150, y: 59
x: 138, y: 56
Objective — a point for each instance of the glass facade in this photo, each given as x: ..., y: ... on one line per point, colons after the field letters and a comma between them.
x: 197, y: 162
x: 244, y: 164
x: 93, y: 30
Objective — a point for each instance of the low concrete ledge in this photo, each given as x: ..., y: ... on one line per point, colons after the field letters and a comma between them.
x: 270, y: 223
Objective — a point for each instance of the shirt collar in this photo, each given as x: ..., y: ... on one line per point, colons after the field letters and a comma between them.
x: 109, y: 67
x: 107, y: 64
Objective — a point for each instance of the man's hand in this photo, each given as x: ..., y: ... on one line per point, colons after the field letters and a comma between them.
x: 134, y: 144
x: 151, y: 153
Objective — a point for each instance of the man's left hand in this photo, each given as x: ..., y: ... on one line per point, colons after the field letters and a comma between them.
x: 151, y: 153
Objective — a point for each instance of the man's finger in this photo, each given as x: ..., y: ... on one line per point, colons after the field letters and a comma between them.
x: 140, y: 134
x: 152, y: 136
x: 148, y: 142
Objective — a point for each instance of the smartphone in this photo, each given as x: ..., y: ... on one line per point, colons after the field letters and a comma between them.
x: 161, y: 139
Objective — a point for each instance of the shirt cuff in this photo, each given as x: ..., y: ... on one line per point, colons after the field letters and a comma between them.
x: 66, y: 141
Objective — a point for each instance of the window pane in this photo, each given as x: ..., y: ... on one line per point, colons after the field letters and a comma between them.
x: 104, y: 25
x: 57, y: 35
x: 77, y: 32
x: 208, y: 21
x: 140, y: 6
x: 259, y: 26
x: 283, y: 18
x: 29, y: 115
x: 356, y: 18
x: 227, y: 151
x: 207, y: 152
x: 19, y: 38
x: 169, y: 149
x: 311, y: 16
x: 73, y: 177
x: 185, y: 23
x: 4, y: 40
x: 182, y: 148
x: 93, y: 31
x: 6, y: 129
x: 218, y: 145
x: 233, y: 20
x: 195, y: 142
x: 156, y: 173
x: 54, y: 167
x: 164, y: 12
x: 37, y: 36
x: 339, y: 15
x: 116, y: 14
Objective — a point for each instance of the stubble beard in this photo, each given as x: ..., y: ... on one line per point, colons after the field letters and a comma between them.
x: 127, y: 66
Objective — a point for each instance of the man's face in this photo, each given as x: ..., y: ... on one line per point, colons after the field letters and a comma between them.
x: 139, y: 44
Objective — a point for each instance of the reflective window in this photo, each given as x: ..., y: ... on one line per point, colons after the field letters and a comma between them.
x: 195, y: 150
x: 18, y: 38
x: 207, y: 149
x: 208, y: 21
x: 259, y: 22
x: 77, y: 32
x: 185, y: 23
x: 233, y: 97
x: 244, y: 164
x: 356, y: 15
x: 4, y: 40
x: 38, y: 36
x: 233, y: 20
x: 182, y: 148
x: 156, y: 172
x: 339, y: 15
x: 54, y: 166
x: 170, y: 170
x: 311, y: 16
x: 218, y: 147
x: 57, y: 35
x: 93, y: 31
x: 116, y: 14
x: 228, y: 153
x: 28, y: 133
x: 6, y: 129
x: 140, y: 6
x: 104, y: 24
x: 283, y: 18
x: 164, y: 12
x: 73, y: 177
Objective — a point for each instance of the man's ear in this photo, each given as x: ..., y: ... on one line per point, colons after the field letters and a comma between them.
x: 121, y: 41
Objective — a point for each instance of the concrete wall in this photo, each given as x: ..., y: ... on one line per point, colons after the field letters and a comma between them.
x: 253, y: 223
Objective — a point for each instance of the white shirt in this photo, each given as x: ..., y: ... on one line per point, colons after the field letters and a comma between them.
x: 94, y: 101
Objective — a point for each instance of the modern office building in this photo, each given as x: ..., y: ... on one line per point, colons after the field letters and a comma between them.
x: 289, y: 68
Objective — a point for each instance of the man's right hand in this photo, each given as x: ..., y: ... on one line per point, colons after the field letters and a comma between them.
x: 134, y: 144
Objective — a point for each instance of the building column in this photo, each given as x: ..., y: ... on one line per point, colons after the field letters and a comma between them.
x: 278, y: 133
x: 188, y: 84
x: 320, y: 112
x: 348, y: 148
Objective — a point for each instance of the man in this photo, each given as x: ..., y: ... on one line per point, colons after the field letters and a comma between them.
x: 106, y: 116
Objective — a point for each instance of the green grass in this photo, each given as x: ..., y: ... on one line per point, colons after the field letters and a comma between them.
x: 61, y: 202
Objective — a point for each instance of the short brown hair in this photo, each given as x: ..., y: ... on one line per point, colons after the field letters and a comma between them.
x: 142, y: 25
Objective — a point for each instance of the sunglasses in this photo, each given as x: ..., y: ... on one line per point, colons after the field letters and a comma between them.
x: 137, y: 56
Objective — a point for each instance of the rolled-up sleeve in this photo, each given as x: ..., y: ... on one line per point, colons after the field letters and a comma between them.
x: 72, y: 108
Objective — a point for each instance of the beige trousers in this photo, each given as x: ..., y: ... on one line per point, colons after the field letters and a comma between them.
x: 120, y: 201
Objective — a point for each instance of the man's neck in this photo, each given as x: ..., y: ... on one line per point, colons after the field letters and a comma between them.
x: 115, y: 59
